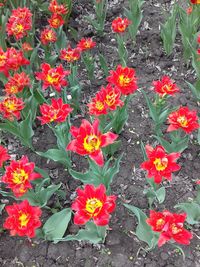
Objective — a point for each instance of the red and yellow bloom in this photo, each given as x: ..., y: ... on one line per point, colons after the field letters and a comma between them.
x: 86, y: 44
x: 56, y: 21
x: 23, y: 219
x: 55, y: 8
x: 12, y: 59
x: 107, y: 98
x: 111, y: 95
x: 195, y: 1
x: 27, y: 47
x: 160, y: 164
x: 19, y: 22
x: 165, y: 86
x: 56, y: 112
x: 4, y: 156
x: 18, y: 176
x: 70, y: 54
x: 47, y: 36
x: 10, y: 107
x: 170, y: 225
x: 17, y: 83
x: 54, y: 77
x: 97, y: 106
x: 89, y: 141
x: 93, y: 203
x: 119, y: 25
x: 3, y: 60
x: 184, y: 119
x: 124, y: 79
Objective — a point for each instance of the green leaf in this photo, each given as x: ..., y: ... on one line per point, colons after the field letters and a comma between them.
x: 160, y: 194
x: 193, y: 212
x: 56, y: 155
x: 143, y: 230
x: 2, y: 206
x: 143, y: 151
x: 11, y: 128
x: 152, y: 108
x: 195, y: 90
x: 104, y: 64
x: 25, y: 128
x: 56, y: 226
x: 83, y: 177
x: 41, y: 198
x: 109, y: 172
x: 92, y: 233
x: 168, y: 31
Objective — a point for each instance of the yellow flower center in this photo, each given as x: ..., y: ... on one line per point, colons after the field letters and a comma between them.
x: 14, y: 89
x: 18, y: 28
x: 91, y: 143
x: 23, y: 219
x: 110, y: 99
x: 160, y: 222
x: 93, y: 206
x: 123, y: 80
x: 53, y: 115
x: 19, y: 176
x: 51, y: 79
x: 167, y: 88
x: 175, y: 229
x: 182, y: 120
x: 10, y: 105
x: 2, y: 60
x: 49, y: 36
x: 99, y: 105
x: 160, y: 164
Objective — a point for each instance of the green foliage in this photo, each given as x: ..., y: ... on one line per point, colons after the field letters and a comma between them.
x: 134, y: 13
x: 56, y: 226
x: 99, y: 175
x: 195, y: 89
x: 100, y: 11
x: 168, y: 31
x: 177, y: 144
x: 193, y: 211
x: 56, y: 155
x: 104, y: 65
x: 143, y: 230
x: 92, y: 233
x: 154, y: 194
x: 41, y: 195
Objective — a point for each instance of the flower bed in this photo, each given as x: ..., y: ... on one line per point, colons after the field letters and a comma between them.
x: 147, y: 62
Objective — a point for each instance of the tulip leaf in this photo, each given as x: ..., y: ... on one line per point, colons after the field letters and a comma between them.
x: 168, y: 31
x: 152, y: 108
x: 25, y: 128
x: 41, y: 198
x: 143, y: 230
x: 160, y: 194
x: 92, y: 233
x: 83, y: 177
x: 193, y: 212
x: 2, y: 206
x: 56, y: 155
x: 56, y: 226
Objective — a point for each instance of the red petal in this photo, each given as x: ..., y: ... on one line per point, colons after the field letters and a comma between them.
x: 97, y: 156
x: 108, y: 138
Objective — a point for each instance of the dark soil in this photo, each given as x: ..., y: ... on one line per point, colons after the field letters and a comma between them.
x: 122, y: 248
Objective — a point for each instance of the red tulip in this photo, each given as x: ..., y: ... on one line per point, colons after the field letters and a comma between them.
x: 93, y: 203
x: 160, y: 164
x: 23, y: 219
x: 89, y: 141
